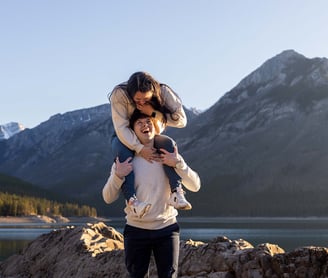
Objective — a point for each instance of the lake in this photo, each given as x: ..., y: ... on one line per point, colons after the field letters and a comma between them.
x: 288, y: 233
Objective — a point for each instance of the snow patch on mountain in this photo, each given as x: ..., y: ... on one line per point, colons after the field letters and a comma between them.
x: 10, y: 129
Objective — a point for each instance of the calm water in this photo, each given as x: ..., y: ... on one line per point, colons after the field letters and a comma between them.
x: 288, y: 233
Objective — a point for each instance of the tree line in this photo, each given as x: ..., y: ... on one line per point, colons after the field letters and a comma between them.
x: 16, y: 205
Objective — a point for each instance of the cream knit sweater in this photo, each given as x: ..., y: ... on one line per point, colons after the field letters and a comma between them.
x: 152, y: 186
x: 122, y: 108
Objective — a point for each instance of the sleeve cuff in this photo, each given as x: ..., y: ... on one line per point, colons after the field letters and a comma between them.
x: 117, y: 181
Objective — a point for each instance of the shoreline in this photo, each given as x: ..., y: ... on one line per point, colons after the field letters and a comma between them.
x: 46, y: 219
x: 201, y: 219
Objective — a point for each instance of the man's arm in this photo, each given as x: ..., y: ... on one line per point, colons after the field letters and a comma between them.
x: 190, y: 178
x: 111, y: 190
x: 119, y: 171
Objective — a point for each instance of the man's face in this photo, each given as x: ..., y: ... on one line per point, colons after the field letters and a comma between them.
x: 144, y: 129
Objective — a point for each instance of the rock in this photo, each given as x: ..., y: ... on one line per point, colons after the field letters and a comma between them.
x: 97, y: 250
x: 84, y: 251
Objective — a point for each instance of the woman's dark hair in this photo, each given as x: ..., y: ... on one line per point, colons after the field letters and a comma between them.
x: 143, y: 82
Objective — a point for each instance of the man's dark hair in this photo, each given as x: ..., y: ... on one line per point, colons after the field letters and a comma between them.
x: 136, y: 115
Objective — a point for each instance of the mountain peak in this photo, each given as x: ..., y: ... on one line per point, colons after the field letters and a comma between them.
x: 272, y: 69
x: 288, y: 54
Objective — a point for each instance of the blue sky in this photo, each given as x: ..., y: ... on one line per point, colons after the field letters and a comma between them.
x: 63, y: 55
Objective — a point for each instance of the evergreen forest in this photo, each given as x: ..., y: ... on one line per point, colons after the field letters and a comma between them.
x: 19, y: 198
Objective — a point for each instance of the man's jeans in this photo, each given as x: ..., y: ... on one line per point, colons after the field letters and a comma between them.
x: 139, y: 244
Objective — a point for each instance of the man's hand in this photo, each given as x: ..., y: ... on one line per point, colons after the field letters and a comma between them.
x: 170, y: 159
x: 124, y: 168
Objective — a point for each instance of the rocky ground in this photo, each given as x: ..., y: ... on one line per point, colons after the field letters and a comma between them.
x: 96, y: 250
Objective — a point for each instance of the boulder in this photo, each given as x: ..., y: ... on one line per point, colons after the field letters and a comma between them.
x: 97, y: 250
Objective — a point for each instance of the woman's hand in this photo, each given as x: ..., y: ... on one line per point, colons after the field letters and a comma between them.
x: 124, y: 168
x: 149, y: 154
x: 170, y: 159
x: 145, y: 108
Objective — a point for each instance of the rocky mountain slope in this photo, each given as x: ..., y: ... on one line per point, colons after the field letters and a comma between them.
x: 262, y: 149
x: 68, y: 154
x: 266, y: 141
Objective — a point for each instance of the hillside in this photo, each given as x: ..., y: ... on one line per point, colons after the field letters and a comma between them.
x: 266, y: 142
x: 17, y: 186
x: 260, y: 150
x: 19, y: 198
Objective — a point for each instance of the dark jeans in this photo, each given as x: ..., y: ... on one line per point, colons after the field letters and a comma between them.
x: 123, y: 152
x: 139, y: 245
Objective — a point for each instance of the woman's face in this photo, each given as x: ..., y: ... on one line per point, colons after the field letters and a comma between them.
x: 141, y: 98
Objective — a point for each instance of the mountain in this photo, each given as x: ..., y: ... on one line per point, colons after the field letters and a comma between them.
x: 10, y: 129
x: 71, y: 142
x: 70, y: 154
x: 260, y: 150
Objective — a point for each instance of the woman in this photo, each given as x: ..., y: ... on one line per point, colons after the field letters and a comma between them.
x: 157, y: 232
x: 157, y: 100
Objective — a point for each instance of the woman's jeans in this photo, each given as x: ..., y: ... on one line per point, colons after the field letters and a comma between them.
x: 139, y: 244
x: 123, y: 152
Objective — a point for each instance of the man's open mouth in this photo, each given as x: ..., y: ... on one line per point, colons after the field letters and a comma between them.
x: 145, y: 131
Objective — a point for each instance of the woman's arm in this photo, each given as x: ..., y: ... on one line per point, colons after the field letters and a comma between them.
x: 171, y: 100
x: 120, y: 117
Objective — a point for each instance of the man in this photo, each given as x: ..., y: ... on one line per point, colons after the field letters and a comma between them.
x: 158, y: 230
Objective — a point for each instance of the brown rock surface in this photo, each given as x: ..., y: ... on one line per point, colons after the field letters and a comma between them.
x: 96, y: 250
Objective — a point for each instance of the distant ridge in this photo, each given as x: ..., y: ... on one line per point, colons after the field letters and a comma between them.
x: 260, y: 150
